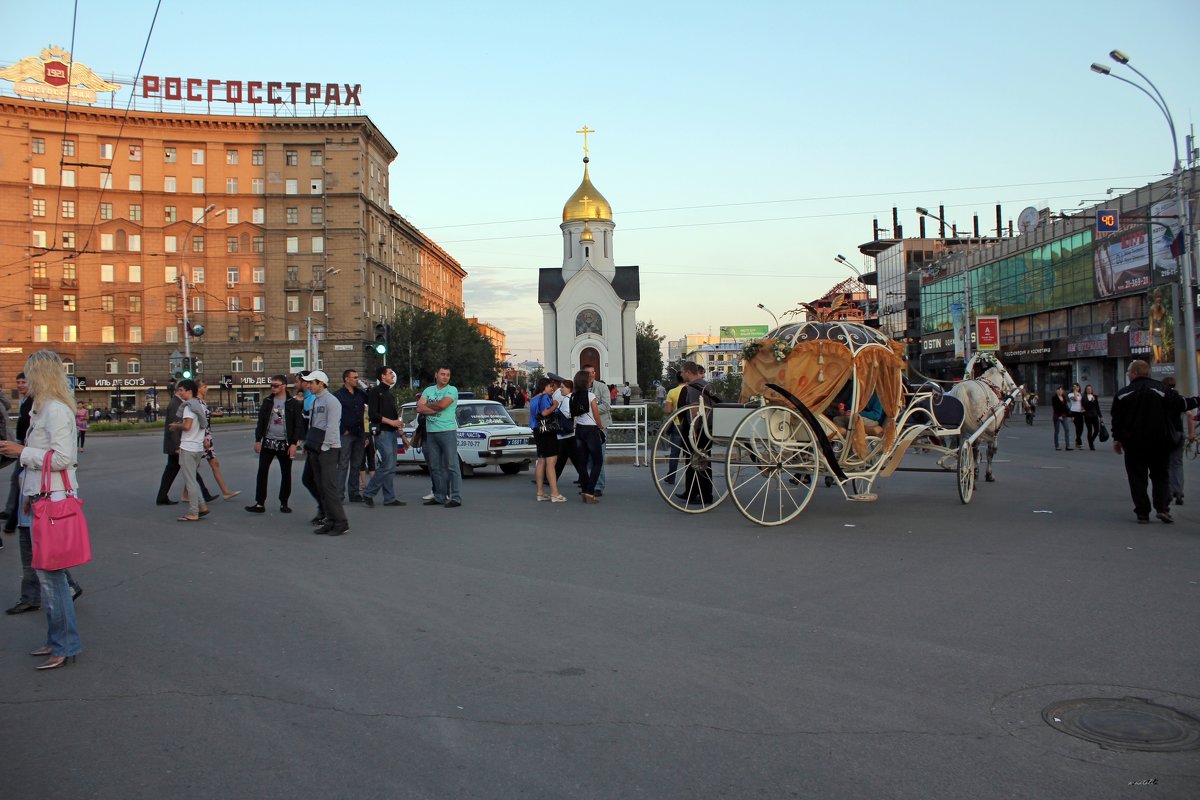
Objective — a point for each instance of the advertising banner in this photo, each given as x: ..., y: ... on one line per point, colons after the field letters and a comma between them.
x: 1122, y: 259
x: 1164, y: 230
x: 744, y: 331
x: 1161, y: 326
x: 959, y: 321
x: 987, y: 333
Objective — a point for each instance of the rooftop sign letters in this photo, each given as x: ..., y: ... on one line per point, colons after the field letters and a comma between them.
x: 52, y: 75
x: 253, y: 92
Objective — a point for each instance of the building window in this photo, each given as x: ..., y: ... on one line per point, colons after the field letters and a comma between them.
x: 106, y: 180
x: 233, y: 303
x: 169, y: 155
x: 108, y: 334
x: 316, y: 158
x: 39, y: 146
x: 233, y: 275
x: 258, y: 244
x: 231, y: 216
x: 171, y: 335
x: 293, y: 333
x: 291, y: 187
x: 135, y: 334
x: 68, y: 209
x: 293, y: 216
x: 106, y: 273
x: 198, y: 303
x: 135, y: 152
x: 258, y: 216
x: 135, y: 303
x: 135, y: 243
x: 168, y: 184
x: 39, y: 176
x: 39, y: 301
x: 318, y: 215
x: 170, y: 244
x: 68, y: 240
x: 293, y: 244
x: 134, y: 366
x: 172, y: 303
x: 257, y: 186
x: 197, y: 244
x: 70, y: 333
x: 170, y: 214
x: 69, y: 302
x: 197, y: 156
x: 135, y: 274
x: 41, y: 333
x: 39, y: 270
x: 68, y: 147
x: 231, y: 157
x: 106, y: 150
x: 68, y: 271
x: 39, y: 208
x: 258, y: 275
x: 68, y: 177
x: 257, y: 364
x: 318, y: 302
x: 197, y: 275
x: 231, y: 244
x: 293, y: 303
x: 135, y: 183
x: 106, y: 241
x: 197, y: 213
x: 260, y: 303
x: 135, y: 212
x: 197, y: 185
x: 231, y: 186
x: 318, y: 244
x: 106, y: 211
x: 111, y: 366
x: 257, y: 158
x: 292, y: 157
x: 235, y: 364
x: 39, y: 239
x: 260, y: 332
x: 315, y: 186
x: 293, y: 274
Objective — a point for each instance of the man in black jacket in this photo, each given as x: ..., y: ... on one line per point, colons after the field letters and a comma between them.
x: 1142, y: 432
x: 381, y: 410
x: 275, y: 438
x: 353, y: 433
x: 171, y: 450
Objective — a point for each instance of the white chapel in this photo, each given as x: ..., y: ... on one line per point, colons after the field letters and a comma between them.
x: 589, y: 306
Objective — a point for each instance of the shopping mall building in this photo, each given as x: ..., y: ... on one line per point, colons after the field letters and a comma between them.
x: 1074, y: 305
x: 267, y: 223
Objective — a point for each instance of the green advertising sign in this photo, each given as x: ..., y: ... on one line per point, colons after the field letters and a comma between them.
x: 743, y: 331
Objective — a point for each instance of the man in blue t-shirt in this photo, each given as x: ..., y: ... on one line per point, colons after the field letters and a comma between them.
x: 439, y: 404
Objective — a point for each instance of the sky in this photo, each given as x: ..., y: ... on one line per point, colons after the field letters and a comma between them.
x: 741, y: 146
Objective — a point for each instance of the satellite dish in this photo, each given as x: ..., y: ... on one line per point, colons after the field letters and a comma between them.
x: 1028, y: 220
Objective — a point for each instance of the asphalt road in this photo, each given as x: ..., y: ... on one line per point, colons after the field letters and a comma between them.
x: 507, y: 649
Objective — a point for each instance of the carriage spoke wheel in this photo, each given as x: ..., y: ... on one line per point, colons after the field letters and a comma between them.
x: 688, y: 465
x: 968, y: 466
x: 773, y: 465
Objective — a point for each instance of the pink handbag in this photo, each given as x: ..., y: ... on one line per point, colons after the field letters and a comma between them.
x: 60, y: 531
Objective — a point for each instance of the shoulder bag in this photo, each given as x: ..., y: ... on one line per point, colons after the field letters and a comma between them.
x: 418, y: 437
x: 60, y: 531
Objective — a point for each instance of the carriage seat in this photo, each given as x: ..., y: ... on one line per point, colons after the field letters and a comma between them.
x: 948, y: 411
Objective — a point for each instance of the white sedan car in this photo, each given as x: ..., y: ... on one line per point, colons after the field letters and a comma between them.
x: 487, y: 436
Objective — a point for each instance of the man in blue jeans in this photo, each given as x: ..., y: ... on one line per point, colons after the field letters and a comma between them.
x: 354, y: 405
x: 439, y: 404
x: 385, y: 422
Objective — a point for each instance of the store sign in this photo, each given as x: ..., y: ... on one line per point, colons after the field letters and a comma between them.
x: 987, y: 333
x: 257, y: 381
x: 116, y: 383
x: 52, y: 75
x: 1025, y: 352
x: 1091, y: 345
x: 272, y: 93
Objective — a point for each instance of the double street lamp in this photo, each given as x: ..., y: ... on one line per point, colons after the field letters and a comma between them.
x: 1185, y: 357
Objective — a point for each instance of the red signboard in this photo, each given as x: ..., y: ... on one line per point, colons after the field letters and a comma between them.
x: 987, y: 333
x: 57, y: 73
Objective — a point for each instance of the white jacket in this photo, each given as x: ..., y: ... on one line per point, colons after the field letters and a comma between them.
x: 50, y: 428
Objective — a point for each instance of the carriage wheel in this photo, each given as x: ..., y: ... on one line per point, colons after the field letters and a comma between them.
x: 689, y: 465
x: 773, y: 465
x: 967, y: 467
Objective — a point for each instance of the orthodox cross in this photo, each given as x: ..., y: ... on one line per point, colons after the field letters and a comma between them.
x: 585, y: 130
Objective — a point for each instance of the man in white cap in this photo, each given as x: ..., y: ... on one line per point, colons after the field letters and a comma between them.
x: 323, y: 443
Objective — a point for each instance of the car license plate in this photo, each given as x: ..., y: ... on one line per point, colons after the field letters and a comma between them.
x: 517, y: 442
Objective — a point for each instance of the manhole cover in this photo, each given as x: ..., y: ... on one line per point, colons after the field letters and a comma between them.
x: 1126, y: 723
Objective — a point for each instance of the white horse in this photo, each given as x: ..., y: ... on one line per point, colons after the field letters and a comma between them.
x: 981, y: 397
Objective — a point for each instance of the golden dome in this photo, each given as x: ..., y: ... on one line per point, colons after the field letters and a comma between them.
x: 586, y: 236
x: 586, y: 203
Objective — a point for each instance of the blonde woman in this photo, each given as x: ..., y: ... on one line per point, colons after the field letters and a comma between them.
x: 52, y: 427
x: 201, y: 407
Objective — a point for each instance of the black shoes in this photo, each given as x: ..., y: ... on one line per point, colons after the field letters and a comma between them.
x: 1143, y: 520
x: 366, y: 498
x: 256, y: 509
x: 331, y: 529
x: 453, y: 504
x: 166, y: 502
x: 22, y: 608
x: 395, y: 503
x: 283, y: 509
x: 319, y: 519
x: 430, y: 503
x: 1165, y: 516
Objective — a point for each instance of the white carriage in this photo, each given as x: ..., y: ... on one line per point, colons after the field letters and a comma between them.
x: 812, y: 390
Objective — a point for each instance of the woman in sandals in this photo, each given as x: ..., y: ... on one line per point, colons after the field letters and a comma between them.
x: 52, y: 427
x: 541, y: 408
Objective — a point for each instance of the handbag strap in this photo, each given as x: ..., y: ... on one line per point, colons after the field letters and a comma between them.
x: 47, y: 470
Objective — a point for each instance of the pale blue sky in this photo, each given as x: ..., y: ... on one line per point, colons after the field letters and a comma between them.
x: 741, y: 147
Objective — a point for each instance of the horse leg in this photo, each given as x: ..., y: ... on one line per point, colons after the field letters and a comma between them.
x: 991, y: 451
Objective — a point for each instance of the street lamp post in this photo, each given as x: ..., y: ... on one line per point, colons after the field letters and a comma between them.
x: 183, y: 283
x: 1185, y: 357
x: 772, y: 313
x: 845, y: 262
x: 966, y: 287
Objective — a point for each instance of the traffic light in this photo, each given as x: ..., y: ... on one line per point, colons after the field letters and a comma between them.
x: 175, y: 365
x: 187, y: 373
x: 381, y: 338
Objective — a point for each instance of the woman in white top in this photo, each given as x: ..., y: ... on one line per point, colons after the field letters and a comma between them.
x: 51, y: 427
x: 1075, y: 406
x: 589, y: 434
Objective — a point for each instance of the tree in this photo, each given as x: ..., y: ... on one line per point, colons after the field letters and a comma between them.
x: 649, y: 356
x: 420, y: 341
